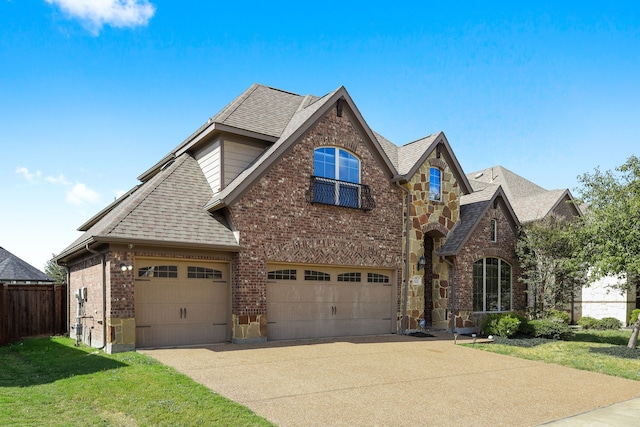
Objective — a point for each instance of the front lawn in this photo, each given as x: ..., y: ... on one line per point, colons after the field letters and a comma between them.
x: 589, y: 350
x: 51, y: 382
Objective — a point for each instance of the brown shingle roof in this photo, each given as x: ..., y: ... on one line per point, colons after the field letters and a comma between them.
x: 530, y: 201
x: 166, y: 209
x: 472, y: 208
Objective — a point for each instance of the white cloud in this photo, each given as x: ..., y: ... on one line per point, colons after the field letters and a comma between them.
x: 117, y: 13
x: 60, y: 179
x: 120, y: 193
x: 31, y: 177
x: 81, y: 194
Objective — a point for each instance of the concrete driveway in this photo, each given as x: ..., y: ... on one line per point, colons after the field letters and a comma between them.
x: 394, y: 380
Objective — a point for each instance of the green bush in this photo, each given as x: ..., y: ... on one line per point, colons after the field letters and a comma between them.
x: 559, y: 316
x: 604, y: 323
x: 608, y: 323
x: 634, y: 316
x: 502, y: 324
x: 525, y: 327
x: 545, y: 328
x: 587, y: 322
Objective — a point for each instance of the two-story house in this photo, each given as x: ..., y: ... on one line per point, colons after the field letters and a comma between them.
x: 286, y: 217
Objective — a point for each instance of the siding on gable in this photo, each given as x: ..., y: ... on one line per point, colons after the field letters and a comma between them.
x: 209, y: 160
x: 237, y: 156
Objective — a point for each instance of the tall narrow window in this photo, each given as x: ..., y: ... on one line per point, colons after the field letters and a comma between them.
x: 338, y: 173
x: 494, y: 230
x: 491, y: 285
x: 435, y: 184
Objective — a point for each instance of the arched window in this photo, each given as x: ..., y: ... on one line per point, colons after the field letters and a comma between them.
x: 491, y: 285
x: 338, y: 173
x: 435, y: 184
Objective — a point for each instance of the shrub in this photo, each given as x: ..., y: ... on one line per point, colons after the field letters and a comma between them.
x: 525, y: 327
x: 502, y: 324
x: 604, y: 323
x: 608, y: 323
x: 545, y: 328
x: 559, y: 316
x: 634, y: 316
x: 587, y: 322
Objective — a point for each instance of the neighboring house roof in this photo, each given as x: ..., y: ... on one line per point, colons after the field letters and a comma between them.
x: 166, y: 210
x: 472, y: 209
x: 530, y: 201
x: 13, y: 269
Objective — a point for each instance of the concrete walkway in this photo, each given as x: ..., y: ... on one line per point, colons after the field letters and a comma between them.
x: 395, y: 380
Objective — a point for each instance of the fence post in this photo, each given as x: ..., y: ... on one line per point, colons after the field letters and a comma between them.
x: 3, y: 315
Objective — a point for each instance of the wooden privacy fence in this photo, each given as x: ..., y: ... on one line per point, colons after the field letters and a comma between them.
x: 31, y: 310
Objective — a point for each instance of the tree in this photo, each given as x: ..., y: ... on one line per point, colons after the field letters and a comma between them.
x: 609, y: 232
x: 550, y: 270
x: 55, y: 271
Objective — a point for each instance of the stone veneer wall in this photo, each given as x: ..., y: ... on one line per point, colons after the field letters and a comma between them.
x: 433, y: 218
x: 479, y: 246
x: 278, y: 224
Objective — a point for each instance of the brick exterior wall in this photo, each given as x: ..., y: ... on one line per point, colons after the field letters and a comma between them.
x: 565, y: 209
x: 87, y: 274
x: 278, y: 224
x: 477, y: 247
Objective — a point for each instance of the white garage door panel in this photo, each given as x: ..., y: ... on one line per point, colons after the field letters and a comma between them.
x: 315, y: 309
x: 174, y: 311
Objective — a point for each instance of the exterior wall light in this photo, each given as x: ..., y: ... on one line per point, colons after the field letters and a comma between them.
x: 421, y: 262
x: 125, y: 267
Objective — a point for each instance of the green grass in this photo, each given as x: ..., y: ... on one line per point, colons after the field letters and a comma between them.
x: 589, y: 350
x: 51, y: 382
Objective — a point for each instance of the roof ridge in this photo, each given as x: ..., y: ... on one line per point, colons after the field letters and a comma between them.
x: 420, y: 139
x: 223, y: 114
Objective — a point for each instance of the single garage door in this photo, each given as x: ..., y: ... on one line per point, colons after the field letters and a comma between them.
x: 314, y: 302
x: 180, y: 303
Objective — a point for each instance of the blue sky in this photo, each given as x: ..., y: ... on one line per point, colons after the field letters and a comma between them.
x: 92, y: 93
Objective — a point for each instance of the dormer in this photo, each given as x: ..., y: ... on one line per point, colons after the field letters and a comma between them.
x: 226, y: 156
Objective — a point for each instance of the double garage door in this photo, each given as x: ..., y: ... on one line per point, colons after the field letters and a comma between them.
x: 181, y: 303
x: 314, y: 302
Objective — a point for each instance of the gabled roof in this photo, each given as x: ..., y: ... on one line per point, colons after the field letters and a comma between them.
x: 409, y: 157
x: 530, y: 201
x: 166, y: 210
x: 13, y: 268
x: 473, y: 207
x: 310, y: 110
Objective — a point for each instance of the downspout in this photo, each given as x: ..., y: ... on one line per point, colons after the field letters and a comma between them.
x: 452, y: 293
x: 405, y: 298
x: 104, y: 293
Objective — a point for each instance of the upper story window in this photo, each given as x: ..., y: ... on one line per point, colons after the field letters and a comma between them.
x: 336, y: 179
x: 435, y: 184
x: 493, y: 230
